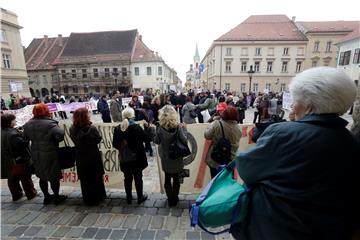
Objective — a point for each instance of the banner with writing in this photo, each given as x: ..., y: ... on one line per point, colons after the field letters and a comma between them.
x: 287, y: 101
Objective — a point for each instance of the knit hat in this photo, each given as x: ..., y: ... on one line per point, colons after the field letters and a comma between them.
x: 221, y: 106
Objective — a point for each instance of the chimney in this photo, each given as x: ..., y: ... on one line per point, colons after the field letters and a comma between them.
x: 140, y: 37
x: 293, y: 18
x: 46, y: 42
x: 60, y: 40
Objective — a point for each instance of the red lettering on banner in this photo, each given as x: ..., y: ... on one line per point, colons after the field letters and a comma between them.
x: 106, y: 178
x: 244, y: 131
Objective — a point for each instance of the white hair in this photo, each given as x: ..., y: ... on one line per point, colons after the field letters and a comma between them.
x: 127, y: 113
x: 323, y: 90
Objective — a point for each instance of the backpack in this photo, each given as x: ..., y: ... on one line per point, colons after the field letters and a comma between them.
x: 222, y: 150
x: 178, y: 149
x: 224, y: 201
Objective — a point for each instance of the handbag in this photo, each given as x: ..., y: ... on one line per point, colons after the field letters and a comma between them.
x: 224, y: 201
x: 66, y: 156
x: 126, y: 154
x: 177, y: 148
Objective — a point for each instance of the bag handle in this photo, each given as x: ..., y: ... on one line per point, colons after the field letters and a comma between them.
x: 222, y: 129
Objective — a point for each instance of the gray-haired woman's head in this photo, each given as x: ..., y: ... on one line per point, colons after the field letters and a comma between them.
x: 322, y: 90
x: 127, y: 113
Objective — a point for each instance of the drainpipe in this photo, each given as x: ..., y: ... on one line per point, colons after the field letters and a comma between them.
x: 221, y: 60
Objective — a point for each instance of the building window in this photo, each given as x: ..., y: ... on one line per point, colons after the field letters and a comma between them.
x: 3, y: 36
x: 257, y: 67
x: 44, y: 79
x: 357, y: 56
x: 257, y: 51
x: 6, y: 61
x: 227, y: 86
x: 314, y: 64
x: 66, y: 89
x: 228, y: 51
x: 75, y: 89
x: 345, y: 58
x: 282, y: 87
x: 298, y: 66
x: 316, y: 46
x: 242, y: 87
x: 284, y: 67
x: 84, y: 73
x: 63, y: 74
x: 243, y: 66
x: 86, y: 89
x: 271, y: 51
x: 244, y: 51
x: 148, y: 71
x: 160, y: 71
x: 97, y: 89
x: 286, y: 51
x: 96, y: 73
x: 213, y: 66
x: 268, y: 86
x: 136, y: 70
x: 107, y: 72
x: 328, y: 46
x: 256, y: 87
x: 73, y: 73
x: 300, y: 51
x: 124, y: 72
x: 115, y: 72
x: 269, y: 66
x: 228, y: 66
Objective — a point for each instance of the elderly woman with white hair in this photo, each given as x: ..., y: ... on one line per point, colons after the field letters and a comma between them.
x: 131, y: 134
x: 304, y: 174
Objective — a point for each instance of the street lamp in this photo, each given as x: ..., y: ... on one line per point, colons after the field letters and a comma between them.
x: 250, y: 73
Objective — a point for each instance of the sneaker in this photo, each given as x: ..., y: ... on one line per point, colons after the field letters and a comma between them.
x: 142, y: 198
x: 59, y: 199
x: 49, y: 199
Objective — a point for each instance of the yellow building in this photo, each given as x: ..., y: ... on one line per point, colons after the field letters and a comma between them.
x: 14, y: 77
x: 321, y: 49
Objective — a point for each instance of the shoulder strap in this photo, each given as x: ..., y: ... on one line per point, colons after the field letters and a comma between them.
x: 222, y: 129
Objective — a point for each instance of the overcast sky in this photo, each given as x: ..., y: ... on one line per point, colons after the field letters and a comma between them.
x: 169, y: 27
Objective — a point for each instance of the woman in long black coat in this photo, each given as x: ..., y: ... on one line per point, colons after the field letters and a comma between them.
x: 135, y: 136
x: 89, y: 164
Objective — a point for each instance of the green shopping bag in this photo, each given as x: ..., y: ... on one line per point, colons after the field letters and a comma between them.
x: 223, y: 202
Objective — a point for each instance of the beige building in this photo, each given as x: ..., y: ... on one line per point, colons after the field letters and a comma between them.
x: 14, y: 77
x: 39, y: 56
x: 269, y: 44
x: 323, y: 37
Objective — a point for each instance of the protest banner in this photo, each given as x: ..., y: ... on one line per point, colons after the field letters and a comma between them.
x: 195, y: 175
x: 287, y: 101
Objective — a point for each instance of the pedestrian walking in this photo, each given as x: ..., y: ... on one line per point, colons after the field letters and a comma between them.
x: 189, y: 111
x: 116, y: 107
x: 104, y: 109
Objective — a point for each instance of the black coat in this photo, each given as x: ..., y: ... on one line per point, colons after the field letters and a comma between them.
x: 135, y: 137
x: 241, y: 106
x: 155, y: 109
x: 88, y: 157
x: 305, y: 179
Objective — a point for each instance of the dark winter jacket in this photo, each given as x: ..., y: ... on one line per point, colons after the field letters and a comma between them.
x: 305, y: 178
x: 164, y: 138
x: 135, y: 137
x: 45, y: 135
x: 13, y: 145
x: 88, y: 156
x: 241, y: 106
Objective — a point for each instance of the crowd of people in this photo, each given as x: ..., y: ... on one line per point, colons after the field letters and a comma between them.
x: 303, y: 173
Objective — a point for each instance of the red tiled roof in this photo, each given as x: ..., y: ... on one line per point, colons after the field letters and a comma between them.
x: 330, y: 26
x: 41, y: 53
x: 265, y: 28
x: 354, y: 34
x: 143, y: 54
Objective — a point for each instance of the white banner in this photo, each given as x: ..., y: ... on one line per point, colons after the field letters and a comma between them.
x: 287, y: 101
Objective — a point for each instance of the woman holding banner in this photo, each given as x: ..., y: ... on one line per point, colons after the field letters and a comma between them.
x: 131, y: 136
x: 304, y: 174
x: 45, y: 135
x: 89, y: 164
x: 166, y: 133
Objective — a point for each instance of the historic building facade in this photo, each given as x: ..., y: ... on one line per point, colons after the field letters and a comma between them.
x: 95, y: 63
x: 14, y: 77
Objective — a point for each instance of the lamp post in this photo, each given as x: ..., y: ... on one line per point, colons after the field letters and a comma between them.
x: 250, y: 73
